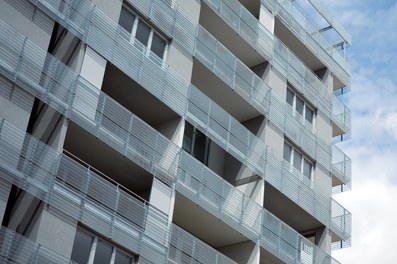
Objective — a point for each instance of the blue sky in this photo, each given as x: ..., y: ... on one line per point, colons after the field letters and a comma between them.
x: 373, y: 148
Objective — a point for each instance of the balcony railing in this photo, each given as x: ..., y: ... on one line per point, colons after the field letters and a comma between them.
x: 342, y: 115
x: 76, y: 189
x: 342, y: 168
x: 100, y: 203
x: 293, y: 17
x: 15, y: 248
x: 27, y: 72
x: 185, y: 248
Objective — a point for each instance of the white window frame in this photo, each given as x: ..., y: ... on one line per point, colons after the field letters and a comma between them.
x: 94, y: 244
x: 305, y: 107
x: 148, y: 47
x: 302, y: 161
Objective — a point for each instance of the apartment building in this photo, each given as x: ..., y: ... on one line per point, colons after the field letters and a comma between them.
x: 172, y: 131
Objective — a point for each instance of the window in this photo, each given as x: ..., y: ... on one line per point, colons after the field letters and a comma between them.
x: 88, y: 248
x: 147, y: 37
x: 300, y: 106
x: 298, y: 160
x: 196, y: 143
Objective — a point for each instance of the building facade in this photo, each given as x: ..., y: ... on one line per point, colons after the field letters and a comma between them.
x: 172, y: 131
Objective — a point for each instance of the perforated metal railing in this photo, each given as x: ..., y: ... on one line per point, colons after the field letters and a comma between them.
x: 76, y: 190
x: 178, y: 24
x: 242, y: 145
x: 342, y: 168
x: 245, y: 82
x: 342, y: 115
x: 185, y: 248
x: 73, y: 187
x: 15, y: 248
x: 292, y: 15
x: 58, y: 88
x: 98, y: 201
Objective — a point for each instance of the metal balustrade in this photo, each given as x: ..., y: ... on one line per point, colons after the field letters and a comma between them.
x: 83, y: 115
x: 222, y: 59
x: 342, y: 115
x: 15, y: 248
x: 341, y: 221
x: 342, y: 167
x: 293, y: 17
x: 77, y: 190
x: 274, y: 51
x: 185, y: 248
x: 292, y: 247
x: 251, y: 78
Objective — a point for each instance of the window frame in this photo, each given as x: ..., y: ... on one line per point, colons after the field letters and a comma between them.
x: 94, y: 244
x: 303, y: 158
x: 133, y: 39
x: 306, y: 105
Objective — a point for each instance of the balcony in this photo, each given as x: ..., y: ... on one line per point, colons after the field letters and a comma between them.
x: 341, y: 121
x: 15, y: 248
x: 341, y: 170
x: 298, y: 23
x: 76, y: 188
x: 158, y: 159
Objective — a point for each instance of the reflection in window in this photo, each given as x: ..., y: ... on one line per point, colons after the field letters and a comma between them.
x: 300, y: 106
x: 143, y: 33
x: 196, y: 143
x: 298, y: 160
x: 88, y: 248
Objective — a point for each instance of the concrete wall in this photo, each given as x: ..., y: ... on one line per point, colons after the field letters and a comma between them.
x: 266, y: 18
x: 56, y: 233
x: 20, y: 13
x: 111, y: 8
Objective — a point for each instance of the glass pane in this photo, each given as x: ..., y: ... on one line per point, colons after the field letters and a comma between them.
x: 126, y: 19
x: 122, y: 258
x: 200, y: 146
x: 290, y: 97
x: 299, y: 105
x: 103, y: 253
x: 309, y: 115
x: 297, y: 160
x: 287, y: 152
x: 158, y: 45
x: 81, y: 247
x: 142, y: 32
x: 188, y: 138
x: 307, y: 168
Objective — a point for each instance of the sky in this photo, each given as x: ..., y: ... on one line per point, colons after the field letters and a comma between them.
x: 373, y: 148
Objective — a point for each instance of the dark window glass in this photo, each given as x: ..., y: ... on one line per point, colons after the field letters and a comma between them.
x: 122, y: 258
x: 126, y: 19
x: 188, y: 138
x: 297, y: 160
x: 103, y: 253
x: 290, y: 97
x: 158, y: 45
x: 307, y: 168
x: 142, y: 32
x: 287, y: 152
x: 81, y: 247
x: 200, y: 147
x: 299, y: 105
x: 309, y: 114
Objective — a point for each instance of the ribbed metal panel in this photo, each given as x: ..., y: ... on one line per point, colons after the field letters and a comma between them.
x: 86, y: 116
